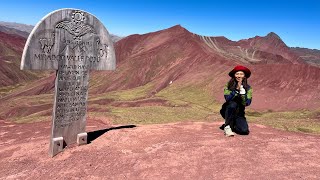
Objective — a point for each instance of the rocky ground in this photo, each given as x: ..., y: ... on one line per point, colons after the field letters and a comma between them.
x: 185, y: 150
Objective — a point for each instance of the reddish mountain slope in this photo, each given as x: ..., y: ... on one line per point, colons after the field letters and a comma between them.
x: 310, y: 56
x: 13, y: 31
x: 273, y: 44
x: 280, y: 81
x: 158, y: 57
x: 11, y: 47
x: 258, y: 50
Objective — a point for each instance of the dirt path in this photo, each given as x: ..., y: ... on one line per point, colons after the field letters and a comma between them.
x: 187, y: 150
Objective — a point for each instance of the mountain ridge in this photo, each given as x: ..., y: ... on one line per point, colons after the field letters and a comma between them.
x: 24, y: 30
x: 174, y: 58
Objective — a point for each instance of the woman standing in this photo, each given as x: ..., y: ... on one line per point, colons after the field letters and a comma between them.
x: 238, y: 95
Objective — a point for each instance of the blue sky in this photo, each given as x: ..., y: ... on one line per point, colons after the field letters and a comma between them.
x: 296, y: 22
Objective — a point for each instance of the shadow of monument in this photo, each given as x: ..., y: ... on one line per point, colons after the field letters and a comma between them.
x: 95, y: 134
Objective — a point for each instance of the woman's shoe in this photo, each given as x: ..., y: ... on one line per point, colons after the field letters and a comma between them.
x: 228, y: 131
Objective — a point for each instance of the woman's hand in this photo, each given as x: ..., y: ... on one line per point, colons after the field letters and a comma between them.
x: 242, y: 90
x: 239, y: 84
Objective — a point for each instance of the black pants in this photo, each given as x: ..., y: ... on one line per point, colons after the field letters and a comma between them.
x: 235, y: 119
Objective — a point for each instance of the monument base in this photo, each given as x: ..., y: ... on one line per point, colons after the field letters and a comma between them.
x: 57, y: 146
x: 82, y: 138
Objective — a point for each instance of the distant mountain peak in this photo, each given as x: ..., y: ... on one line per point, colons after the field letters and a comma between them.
x: 274, y: 40
x: 273, y: 36
x: 19, y: 26
x: 177, y: 27
x: 24, y: 30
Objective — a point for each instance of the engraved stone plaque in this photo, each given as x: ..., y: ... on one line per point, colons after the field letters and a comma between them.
x: 71, y: 42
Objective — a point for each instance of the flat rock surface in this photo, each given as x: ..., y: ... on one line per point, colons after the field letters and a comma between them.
x: 185, y: 150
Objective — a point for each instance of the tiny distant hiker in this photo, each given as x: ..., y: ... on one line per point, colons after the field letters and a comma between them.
x: 238, y: 95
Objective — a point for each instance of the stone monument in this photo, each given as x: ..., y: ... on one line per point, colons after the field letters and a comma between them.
x: 71, y: 42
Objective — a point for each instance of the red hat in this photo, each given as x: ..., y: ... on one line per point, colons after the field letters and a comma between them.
x: 246, y: 71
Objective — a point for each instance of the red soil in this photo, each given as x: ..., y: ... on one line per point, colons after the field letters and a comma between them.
x: 186, y: 150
